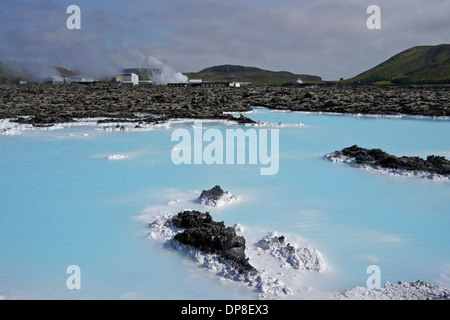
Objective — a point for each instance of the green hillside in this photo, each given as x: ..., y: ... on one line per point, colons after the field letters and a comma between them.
x: 232, y: 73
x: 7, y: 73
x: 422, y: 64
x: 3, y: 72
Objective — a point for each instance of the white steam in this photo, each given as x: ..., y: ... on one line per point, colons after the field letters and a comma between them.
x: 34, y: 40
x: 166, y: 74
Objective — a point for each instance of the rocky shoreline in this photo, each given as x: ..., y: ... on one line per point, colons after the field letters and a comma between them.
x: 46, y: 104
x: 434, y: 167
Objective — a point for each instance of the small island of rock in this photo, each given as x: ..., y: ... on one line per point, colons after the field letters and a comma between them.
x: 205, y: 234
x: 216, y: 197
x: 432, y: 167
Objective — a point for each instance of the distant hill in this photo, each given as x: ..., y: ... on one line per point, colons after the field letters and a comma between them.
x: 249, y: 74
x: 66, y: 73
x: 6, y: 73
x: 3, y: 72
x: 422, y: 64
x: 10, y: 74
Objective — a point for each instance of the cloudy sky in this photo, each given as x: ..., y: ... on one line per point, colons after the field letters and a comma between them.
x: 328, y: 38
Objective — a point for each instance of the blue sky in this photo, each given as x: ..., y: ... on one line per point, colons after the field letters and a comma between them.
x: 323, y: 37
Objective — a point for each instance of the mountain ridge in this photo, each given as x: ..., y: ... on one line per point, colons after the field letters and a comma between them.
x: 419, y: 64
x: 229, y: 72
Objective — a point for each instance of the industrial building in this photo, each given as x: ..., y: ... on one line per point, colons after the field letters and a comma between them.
x: 128, y: 78
x: 178, y: 84
x: 239, y: 84
x: 145, y: 82
x: 67, y: 80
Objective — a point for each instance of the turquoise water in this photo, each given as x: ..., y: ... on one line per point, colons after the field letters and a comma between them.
x: 63, y: 203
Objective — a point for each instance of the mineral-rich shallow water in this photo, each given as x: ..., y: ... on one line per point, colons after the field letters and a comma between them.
x: 64, y: 203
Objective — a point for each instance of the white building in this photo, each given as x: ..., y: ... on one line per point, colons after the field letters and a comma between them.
x: 128, y: 78
x: 145, y: 82
x: 239, y: 84
x: 67, y: 80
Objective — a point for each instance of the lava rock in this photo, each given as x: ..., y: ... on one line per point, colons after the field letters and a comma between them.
x: 49, y: 104
x: 378, y: 157
x: 201, y: 232
x: 213, y: 194
x: 243, y: 119
x: 216, y: 197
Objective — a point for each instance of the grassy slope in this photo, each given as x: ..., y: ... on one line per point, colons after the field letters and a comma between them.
x: 3, y: 71
x: 422, y: 64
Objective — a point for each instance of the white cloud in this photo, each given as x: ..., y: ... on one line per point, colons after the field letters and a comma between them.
x: 322, y: 37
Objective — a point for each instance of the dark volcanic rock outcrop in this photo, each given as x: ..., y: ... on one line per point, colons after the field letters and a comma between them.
x: 379, y: 158
x: 426, y: 100
x: 216, y: 197
x: 47, y: 103
x: 201, y: 232
x: 212, y: 194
